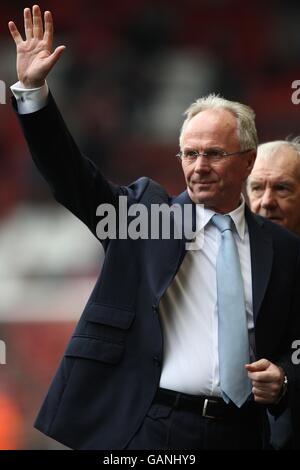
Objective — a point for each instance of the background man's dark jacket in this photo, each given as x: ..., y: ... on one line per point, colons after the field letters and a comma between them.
x: 111, y: 368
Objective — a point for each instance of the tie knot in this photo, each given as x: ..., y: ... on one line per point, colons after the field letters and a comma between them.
x: 222, y: 222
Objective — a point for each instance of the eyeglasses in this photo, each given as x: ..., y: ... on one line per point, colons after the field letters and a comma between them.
x: 213, y: 155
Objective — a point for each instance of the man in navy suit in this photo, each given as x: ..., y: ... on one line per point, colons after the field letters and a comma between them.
x: 142, y: 369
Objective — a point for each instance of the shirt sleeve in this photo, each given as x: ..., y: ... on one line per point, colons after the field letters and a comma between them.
x: 30, y: 100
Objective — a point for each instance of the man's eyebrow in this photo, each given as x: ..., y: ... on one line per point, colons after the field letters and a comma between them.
x: 253, y: 182
x: 287, y: 183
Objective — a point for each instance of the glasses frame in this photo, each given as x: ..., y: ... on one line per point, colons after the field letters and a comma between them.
x: 223, y: 154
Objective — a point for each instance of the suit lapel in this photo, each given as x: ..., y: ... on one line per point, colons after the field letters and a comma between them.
x: 185, y: 201
x: 164, y: 257
x: 261, y: 259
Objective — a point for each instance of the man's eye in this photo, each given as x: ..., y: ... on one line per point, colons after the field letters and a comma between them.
x: 191, y: 153
x: 257, y: 190
x: 283, y: 189
x: 214, y: 153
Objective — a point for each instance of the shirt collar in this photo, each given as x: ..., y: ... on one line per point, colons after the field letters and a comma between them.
x: 238, y: 216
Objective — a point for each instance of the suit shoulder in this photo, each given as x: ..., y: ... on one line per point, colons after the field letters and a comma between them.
x: 277, y: 231
x: 146, y: 189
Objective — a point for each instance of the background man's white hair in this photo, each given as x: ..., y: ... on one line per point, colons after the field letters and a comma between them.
x: 268, y: 148
x: 246, y: 130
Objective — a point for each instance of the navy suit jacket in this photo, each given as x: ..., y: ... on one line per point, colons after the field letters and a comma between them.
x: 111, y: 368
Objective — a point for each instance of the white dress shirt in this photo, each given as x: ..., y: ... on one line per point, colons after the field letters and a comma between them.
x: 188, y: 311
x: 188, y: 308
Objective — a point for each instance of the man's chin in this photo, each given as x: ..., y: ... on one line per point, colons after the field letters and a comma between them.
x: 276, y: 220
x: 201, y: 197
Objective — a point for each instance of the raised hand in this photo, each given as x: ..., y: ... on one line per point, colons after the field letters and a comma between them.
x: 35, y: 58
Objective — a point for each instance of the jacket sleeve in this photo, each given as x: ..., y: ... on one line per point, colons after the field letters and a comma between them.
x: 74, y: 180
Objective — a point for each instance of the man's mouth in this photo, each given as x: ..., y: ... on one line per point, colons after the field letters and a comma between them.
x: 206, y: 183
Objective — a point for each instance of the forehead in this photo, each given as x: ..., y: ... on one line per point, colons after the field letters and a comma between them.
x: 282, y: 163
x: 212, y: 126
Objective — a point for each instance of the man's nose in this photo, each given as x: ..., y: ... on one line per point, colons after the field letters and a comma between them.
x: 202, y: 164
x: 268, y: 200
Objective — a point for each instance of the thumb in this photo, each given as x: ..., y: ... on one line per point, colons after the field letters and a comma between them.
x: 257, y: 366
x: 53, y: 58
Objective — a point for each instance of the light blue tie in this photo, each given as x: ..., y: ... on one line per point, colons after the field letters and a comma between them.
x: 233, y: 332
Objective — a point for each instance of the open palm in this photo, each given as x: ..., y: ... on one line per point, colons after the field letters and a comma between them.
x: 35, y: 58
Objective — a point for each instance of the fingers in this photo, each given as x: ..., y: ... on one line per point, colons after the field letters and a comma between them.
x: 266, y: 377
x: 37, y: 22
x: 53, y: 58
x: 15, y: 33
x: 257, y: 392
x: 28, y: 23
x: 48, y: 35
x: 273, y: 374
x: 266, y: 386
x: 33, y: 25
x: 262, y: 395
x: 260, y: 365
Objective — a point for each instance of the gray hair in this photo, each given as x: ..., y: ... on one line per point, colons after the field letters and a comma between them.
x: 270, y: 147
x: 246, y: 130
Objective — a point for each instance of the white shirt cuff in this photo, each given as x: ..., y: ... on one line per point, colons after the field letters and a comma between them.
x: 30, y: 100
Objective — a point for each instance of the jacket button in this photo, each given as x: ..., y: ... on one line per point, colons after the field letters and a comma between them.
x: 155, y: 307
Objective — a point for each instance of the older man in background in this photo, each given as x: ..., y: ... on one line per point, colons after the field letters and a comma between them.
x: 274, y: 192
x: 274, y: 184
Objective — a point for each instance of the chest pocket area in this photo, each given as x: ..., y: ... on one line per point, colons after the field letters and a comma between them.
x: 108, y: 323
